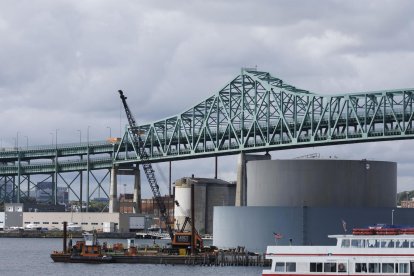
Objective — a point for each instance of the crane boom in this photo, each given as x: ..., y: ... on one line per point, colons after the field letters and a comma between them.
x: 146, y: 164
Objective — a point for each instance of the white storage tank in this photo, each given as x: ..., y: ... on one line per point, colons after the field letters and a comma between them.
x: 207, y: 194
x: 321, y: 183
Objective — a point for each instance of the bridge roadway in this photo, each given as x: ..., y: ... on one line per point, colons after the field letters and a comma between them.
x: 41, y: 159
x: 253, y: 112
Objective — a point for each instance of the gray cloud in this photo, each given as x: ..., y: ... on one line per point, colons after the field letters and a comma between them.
x: 62, y: 62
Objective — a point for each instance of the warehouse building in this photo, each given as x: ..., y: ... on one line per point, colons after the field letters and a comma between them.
x: 119, y: 222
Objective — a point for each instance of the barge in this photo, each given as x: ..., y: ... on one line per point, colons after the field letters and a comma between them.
x: 90, y: 250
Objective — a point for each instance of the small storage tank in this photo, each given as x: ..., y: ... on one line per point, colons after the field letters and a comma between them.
x: 207, y: 194
x: 321, y: 183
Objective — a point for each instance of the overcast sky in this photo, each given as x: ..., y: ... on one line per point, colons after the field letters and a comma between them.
x: 63, y: 61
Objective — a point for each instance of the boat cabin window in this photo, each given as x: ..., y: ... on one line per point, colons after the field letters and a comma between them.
x: 361, y: 267
x: 280, y: 267
x: 374, y: 267
x: 402, y: 244
x: 403, y: 268
x: 329, y: 267
x: 315, y: 267
x: 387, y: 268
x: 290, y: 267
x: 345, y: 243
x: 387, y: 244
x: 373, y: 243
x: 412, y: 244
x: 358, y: 243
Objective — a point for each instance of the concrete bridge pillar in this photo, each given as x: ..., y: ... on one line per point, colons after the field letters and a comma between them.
x: 113, y: 193
x: 137, y: 191
x: 241, y: 169
x: 241, y: 187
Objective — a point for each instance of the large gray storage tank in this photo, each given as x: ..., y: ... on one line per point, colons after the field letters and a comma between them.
x: 321, y: 183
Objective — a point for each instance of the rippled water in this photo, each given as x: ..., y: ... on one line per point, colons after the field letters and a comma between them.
x: 31, y: 257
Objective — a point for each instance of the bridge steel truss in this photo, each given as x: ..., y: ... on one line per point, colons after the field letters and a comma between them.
x: 258, y: 112
x: 67, y: 165
x: 254, y: 112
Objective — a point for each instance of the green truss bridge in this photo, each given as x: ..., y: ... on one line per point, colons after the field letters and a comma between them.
x: 258, y: 112
x: 253, y: 112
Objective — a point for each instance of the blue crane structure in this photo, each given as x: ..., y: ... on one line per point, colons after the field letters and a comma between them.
x: 253, y: 112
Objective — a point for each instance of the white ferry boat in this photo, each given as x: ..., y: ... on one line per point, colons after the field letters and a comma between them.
x: 372, y: 251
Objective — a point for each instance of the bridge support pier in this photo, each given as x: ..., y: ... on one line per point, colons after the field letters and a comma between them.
x: 241, y: 169
x: 137, y: 191
x: 113, y: 193
x: 241, y: 187
x: 215, y: 166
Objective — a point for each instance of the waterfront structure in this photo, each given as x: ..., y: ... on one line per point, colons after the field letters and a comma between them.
x: 15, y: 216
x: 87, y: 221
x: 207, y: 194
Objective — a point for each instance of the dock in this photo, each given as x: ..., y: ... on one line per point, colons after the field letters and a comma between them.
x: 58, y: 234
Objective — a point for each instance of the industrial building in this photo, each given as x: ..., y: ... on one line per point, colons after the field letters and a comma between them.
x: 305, y: 200
x: 208, y: 193
x: 15, y: 217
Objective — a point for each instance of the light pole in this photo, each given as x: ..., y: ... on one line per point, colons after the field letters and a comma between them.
x: 110, y: 131
x: 392, y: 217
x: 87, y: 134
x: 56, y: 141
x: 27, y: 142
x: 87, y: 171
x: 17, y: 140
x: 80, y: 136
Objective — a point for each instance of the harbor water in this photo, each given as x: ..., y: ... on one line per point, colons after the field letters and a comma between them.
x: 29, y: 256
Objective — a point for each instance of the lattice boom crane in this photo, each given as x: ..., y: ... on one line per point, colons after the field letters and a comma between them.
x: 149, y: 172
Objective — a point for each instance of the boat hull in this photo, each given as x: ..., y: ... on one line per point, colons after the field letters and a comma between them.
x: 68, y: 258
x: 142, y: 259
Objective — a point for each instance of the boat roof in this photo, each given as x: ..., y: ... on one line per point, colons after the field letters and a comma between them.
x: 400, y: 236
